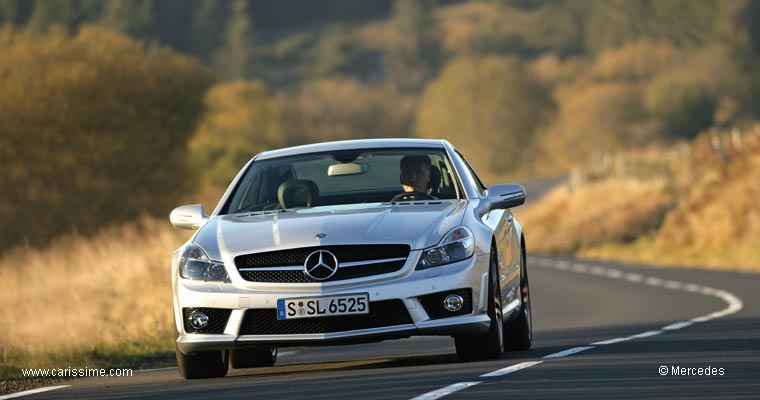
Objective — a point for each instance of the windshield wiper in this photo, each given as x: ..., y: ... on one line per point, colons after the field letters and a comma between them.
x: 263, y: 212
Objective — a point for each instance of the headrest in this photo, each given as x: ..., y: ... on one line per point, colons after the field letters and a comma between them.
x: 297, y: 193
x: 435, y: 178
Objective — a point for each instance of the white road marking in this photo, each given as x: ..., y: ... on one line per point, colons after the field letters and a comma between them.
x: 580, y: 268
x: 611, y: 341
x: 437, y: 394
x: 645, y: 334
x: 734, y: 305
x: 653, y: 281
x: 708, y: 291
x: 690, y: 287
x: 510, y: 369
x: 615, y: 274
x: 674, y: 285
x: 569, y: 352
x: 677, y: 325
x: 34, y: 391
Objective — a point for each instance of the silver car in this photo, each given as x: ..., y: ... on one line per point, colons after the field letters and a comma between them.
x: 350, y: 242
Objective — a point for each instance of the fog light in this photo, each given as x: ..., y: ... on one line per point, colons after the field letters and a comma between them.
x: 198, y: 320
x: 453, y: 302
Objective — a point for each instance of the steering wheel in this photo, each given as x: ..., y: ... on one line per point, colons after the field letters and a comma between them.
x: 415, y: 195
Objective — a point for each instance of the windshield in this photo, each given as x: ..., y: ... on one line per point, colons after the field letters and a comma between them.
x: 326, y: 179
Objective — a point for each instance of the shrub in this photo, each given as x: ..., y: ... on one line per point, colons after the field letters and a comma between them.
x: 241, y: 119
x: 92, y: 131
x: 491, y: 98
x: 684, y: 107
x: 342, y: 108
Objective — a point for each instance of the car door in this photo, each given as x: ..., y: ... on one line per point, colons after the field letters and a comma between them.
x: 503, y: 225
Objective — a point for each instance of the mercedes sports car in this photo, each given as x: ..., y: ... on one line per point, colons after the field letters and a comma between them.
x: 350, y: 242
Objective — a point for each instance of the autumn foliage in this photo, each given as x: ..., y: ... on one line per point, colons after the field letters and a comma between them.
x: 93, y: 129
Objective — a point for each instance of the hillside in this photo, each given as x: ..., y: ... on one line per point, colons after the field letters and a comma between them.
x: 695, y: 205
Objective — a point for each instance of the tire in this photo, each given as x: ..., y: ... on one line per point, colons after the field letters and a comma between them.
x: 491, y: 344
x: 518, y: 334
x: 202, y: 364
x: 253, y: 357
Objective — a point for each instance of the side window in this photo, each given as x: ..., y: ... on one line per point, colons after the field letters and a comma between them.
x: 478, y: 183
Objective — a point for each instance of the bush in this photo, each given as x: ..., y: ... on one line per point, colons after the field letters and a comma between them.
x: 609, y: 211
x: 592, y: 118
x: 342, y: 108
x: 684, y: 107
x: 240, y: 120
x: 92, y: 131
x: 491, y: 98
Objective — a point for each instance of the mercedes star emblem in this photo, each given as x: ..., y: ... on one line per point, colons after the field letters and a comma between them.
x: 320, y: 265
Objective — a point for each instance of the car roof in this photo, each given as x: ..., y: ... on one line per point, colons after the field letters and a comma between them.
x: 352, y: 144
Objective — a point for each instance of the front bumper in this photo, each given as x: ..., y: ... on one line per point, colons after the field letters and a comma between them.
x: 407, y: 286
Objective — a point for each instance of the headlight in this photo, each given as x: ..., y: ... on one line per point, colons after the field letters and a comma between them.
x: 194, y: 264
x: 457, y: 245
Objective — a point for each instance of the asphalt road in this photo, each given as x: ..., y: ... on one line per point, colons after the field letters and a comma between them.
x: 610, y: 316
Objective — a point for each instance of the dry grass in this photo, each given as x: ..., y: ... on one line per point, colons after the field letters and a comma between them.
x: 609, y: 211
x: 84, y: 301
x: 693, y: 208
x: 716, y: 225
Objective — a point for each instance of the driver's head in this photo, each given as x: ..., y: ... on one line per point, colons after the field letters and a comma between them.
x: 415, y: 173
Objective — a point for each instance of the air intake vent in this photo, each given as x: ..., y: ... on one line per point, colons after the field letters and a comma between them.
x: 354, y: 261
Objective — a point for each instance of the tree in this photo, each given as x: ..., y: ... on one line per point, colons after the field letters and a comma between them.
x: 592, y: 117
x: 69, y: 13
x: 339, y: 53
x: 414, y: 53
x: 241, y: 120
x: 132, y: 17
x: 92, y: 131
x: 611, y: 23
x: 207, y: 28
x: 234, y: 59
x: 684, y: 107
x: 341, y: 108
x: 489, y: 107
x: 683, y: 23
x: 15, y: 11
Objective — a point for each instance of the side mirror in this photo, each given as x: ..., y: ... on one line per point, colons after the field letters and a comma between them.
x: 505, y: 196
x: 189, y: 217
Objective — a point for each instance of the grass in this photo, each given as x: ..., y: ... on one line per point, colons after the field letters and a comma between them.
x: 100, y: 302
x: 696, y: 207
x: 567, y: 220
x: 106, y: 301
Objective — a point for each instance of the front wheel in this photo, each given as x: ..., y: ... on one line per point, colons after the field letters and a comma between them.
x: 491, y: 344
x: 202, y: 364
x: 518, y: 334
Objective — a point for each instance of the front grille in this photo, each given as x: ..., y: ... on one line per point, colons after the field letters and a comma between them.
x: 433, y: 304
x: 217, y: 319
x: 344, y: 254
x: 381, y: 314
x: 343, y: 273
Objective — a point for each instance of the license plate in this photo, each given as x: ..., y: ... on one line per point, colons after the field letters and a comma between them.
x: 310, y: 307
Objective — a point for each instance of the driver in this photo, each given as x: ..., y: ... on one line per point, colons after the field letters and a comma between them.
x: 415, y: 173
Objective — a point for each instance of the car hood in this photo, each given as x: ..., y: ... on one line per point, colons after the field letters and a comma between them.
x: 419, y: 225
